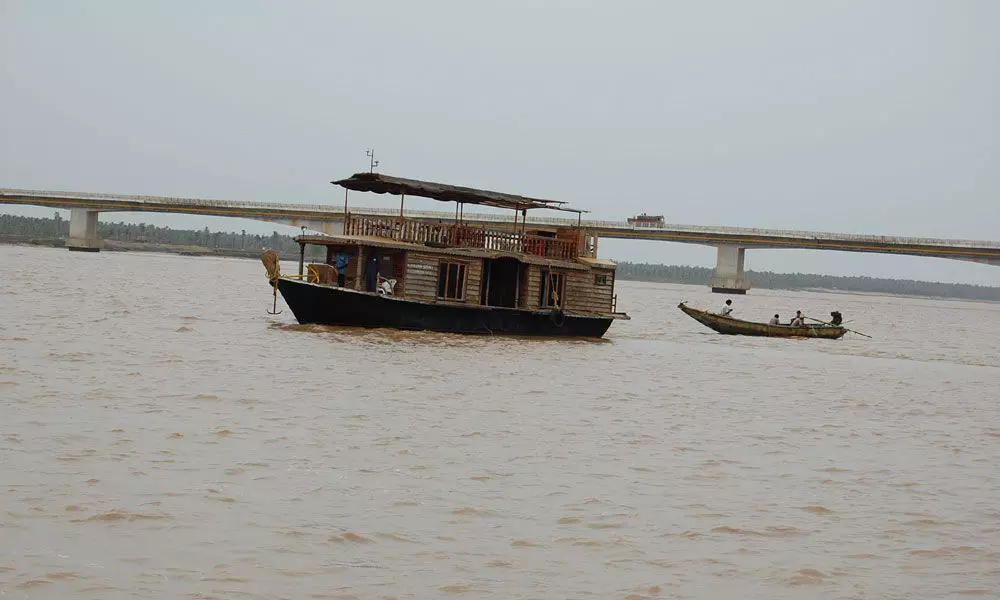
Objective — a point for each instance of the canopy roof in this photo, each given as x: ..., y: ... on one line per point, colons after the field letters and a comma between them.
x: 386, y: 184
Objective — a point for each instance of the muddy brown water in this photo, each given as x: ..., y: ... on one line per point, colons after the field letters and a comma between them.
x: 161, y: 436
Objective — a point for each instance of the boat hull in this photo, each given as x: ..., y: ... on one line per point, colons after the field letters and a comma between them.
x: 327, y: 305
x: 731, y: 326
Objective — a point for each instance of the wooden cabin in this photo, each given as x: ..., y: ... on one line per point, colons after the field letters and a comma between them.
x: 472, y: 265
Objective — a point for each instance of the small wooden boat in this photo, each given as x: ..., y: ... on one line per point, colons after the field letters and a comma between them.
x: 731, y: 326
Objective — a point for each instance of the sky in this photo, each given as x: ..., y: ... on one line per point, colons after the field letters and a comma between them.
x: 849, y: 116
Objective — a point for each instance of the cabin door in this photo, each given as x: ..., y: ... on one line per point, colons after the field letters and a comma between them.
x: 501, y: 282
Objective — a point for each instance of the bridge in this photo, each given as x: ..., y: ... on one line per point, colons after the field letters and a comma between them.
x: 731, y: 242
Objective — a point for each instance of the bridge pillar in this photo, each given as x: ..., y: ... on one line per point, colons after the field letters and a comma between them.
x: 83, y: 231
x: 729, y: 276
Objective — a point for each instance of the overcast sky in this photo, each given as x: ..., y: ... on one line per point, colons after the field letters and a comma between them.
x: 852, y: 116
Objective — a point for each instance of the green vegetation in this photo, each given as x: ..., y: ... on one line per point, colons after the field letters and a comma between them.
x: 803, y: 281
x: 33, y: 228
x: 136, y: 237
x: 130, y: 236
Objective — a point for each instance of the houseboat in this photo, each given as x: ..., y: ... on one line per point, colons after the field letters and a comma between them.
x: 457, y: 276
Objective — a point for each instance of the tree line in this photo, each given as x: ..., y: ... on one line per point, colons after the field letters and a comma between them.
x: 19, y: 228
x: 41, y: 229
x: 802, y: 281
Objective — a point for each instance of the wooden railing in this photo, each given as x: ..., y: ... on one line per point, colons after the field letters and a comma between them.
x: 394, y: 229
x: 550, y: 247
x: 460, y: 236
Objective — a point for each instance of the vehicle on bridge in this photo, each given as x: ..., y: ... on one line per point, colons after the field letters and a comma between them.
x: 390, y: 271
x: 732, y: 326
x: 647, y: 221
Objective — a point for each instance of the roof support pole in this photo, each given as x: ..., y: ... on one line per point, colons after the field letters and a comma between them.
x: 402, y: 197
x: 524, y: 225
x: 346, y: 215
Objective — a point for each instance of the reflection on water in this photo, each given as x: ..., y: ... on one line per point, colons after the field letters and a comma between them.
x: 162, y: 436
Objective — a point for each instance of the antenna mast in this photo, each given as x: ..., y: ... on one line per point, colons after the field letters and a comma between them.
x: 372, y: 163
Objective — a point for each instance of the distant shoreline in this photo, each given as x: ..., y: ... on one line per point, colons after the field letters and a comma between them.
x: 195, y: 251
x: 142, y: 237
x: 117, y: 246
x: 766, y: 280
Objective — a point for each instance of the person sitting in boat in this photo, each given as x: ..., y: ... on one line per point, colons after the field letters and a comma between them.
x: 799, y: 320
x: 386, y: 287
x: 727, y: 308
x: 837, y: 318
x: 774, y: 320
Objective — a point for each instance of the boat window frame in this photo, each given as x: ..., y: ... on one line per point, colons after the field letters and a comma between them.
x: 462, y: 273
x: 545, y: 296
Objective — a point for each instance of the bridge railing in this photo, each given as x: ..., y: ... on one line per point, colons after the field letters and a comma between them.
x: 619, y: 226
x: 168, y: 200
x: 125, y: 203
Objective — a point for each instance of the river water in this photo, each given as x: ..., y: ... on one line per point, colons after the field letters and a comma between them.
x: 162, y: 436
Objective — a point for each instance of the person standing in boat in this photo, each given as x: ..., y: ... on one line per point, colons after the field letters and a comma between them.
x: 342, y: 260
x: 371, y: 272
x: 727, y: 308
x: 774, y: 320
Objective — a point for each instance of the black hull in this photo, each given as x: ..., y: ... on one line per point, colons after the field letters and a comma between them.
x: 326, y: 305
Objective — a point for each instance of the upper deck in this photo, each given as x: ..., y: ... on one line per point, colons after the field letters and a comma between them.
x: 561, y: 243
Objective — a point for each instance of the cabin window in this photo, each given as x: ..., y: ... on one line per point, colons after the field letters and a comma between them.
x: 552, y: 289
x: 451, y: 281
x: 600, y: 279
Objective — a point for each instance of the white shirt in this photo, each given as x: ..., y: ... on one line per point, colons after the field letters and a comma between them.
x: 726, y: 309
x: 773, y: 321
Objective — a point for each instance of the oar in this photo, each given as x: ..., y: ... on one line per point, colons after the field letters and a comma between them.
x: 845, y: 329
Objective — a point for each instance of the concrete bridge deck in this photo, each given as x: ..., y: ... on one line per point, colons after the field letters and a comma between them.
x: 730, y: 241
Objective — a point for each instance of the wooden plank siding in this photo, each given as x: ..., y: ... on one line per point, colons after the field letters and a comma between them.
x: 422, y: 276
x: 473, y: 281
x: 420, y: 272
x: 584, y: 295
x: 530, y: 297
